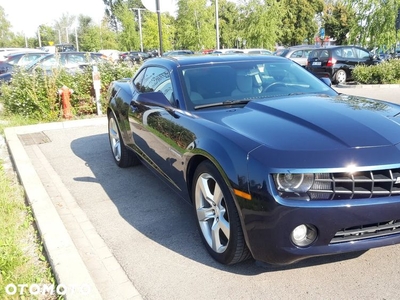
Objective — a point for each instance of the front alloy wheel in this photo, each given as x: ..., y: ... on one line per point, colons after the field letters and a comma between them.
x: 218, y: 219
x: 122, y: 156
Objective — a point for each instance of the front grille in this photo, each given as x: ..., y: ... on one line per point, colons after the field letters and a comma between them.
x: 366, y: 184
x: 367, y: 232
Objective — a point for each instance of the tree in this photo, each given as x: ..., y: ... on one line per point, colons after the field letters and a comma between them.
x: 229, y: 31
x: 128, y: 36
x: 111, y: 10
x: 63, y: 26
x: 48, y: 35
x: 5, y: 29
x: 260, y: 23
x: 194, y: 28
x: 338, y: 19
x: 299, y: 21
x: 150, y: 31
x: 374, y: 22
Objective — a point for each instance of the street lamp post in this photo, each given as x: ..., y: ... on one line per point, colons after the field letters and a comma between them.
x: 140, y: 26
x: 217, y: 24
x: 159, y: 26
x: 66, y: 33
x: 76, y: 40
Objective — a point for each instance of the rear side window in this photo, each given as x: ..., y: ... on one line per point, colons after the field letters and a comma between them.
x: 362, y: 53
x: 297, y: 54
x: 321, y: 53
x: 314, y: 54
x: 324, y: 54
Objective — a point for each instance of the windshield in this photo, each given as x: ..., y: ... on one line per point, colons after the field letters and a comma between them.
x: 223, y: 83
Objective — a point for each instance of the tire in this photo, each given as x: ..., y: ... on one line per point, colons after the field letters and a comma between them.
x: 340, y: 76
x: 123, y: 157
x: 217, y: 216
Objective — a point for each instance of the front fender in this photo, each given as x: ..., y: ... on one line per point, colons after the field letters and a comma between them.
x: 119, y: 104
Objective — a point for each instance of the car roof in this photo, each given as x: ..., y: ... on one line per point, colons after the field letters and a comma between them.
x: 24, y: 53
x: 212, y: 58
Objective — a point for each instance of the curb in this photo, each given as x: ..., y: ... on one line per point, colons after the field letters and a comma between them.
x: 65, y: 258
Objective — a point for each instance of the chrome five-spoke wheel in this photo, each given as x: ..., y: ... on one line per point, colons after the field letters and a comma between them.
x: 218, y: 219
x: 122, y: 156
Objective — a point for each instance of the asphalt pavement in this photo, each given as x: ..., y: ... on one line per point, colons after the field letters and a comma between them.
x: 82, y: 213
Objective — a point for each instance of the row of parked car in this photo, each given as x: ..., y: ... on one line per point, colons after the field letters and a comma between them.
x: 334, y: 62
x: 72, y: 61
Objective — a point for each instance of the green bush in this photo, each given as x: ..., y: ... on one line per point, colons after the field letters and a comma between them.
x: 34, y: 95
x: 387, y: 72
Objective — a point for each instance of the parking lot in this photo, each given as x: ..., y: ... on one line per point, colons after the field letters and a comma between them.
x: 148, y: 233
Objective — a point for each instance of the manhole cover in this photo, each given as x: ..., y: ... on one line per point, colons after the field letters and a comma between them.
x: 34, y: 138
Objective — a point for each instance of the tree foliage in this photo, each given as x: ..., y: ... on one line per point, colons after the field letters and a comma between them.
x: 259, y: 23
x: 228, y: 28
x: 244, y: 24
x: 375, y: 22
x: 150, y: 31
x: 128, y: 37
x: 64, y: 25
x: 299, y: 21
x: 338, y: 19
x: 195, y: 25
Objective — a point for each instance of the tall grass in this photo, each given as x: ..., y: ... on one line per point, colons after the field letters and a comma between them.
x: 22, y: 260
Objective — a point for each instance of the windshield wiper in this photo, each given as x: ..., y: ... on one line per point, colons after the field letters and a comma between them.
x: 224, y: 103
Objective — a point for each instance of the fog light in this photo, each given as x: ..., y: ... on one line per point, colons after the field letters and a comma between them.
x: 304, y: 235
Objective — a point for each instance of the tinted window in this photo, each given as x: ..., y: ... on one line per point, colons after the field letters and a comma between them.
x: 156, y: 79
x: 296, y: 54
x: 324, y: 54
x: 137, y: 81
x: 361, y: 53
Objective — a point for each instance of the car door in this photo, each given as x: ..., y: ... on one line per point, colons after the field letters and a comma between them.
x: 154, y: 129
x: 363, y: 56
x: 345, y: 59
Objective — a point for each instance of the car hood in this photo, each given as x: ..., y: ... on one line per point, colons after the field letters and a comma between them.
x: 314, y: 122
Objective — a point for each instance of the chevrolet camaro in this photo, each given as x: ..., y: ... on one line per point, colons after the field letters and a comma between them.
x: 277, y: 165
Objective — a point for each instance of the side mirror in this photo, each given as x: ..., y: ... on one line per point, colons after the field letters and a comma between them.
x: 326, y: 80
x: 154, y: 99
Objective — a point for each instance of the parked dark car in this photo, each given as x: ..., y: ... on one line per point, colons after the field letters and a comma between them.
x: 276, y: 164
x: 135, y: 56
x: 65, y: 48
x: 338, y: 62
x: 298, y: 54
x: 19, y: 59
x: 71, y: 61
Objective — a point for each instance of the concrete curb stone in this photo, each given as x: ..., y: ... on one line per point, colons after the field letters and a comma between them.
x: 95, y: 276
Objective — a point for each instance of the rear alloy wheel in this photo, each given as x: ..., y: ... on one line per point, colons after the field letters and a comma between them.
x: 218, y: 219
x: 340, y: 76
x: 122, y: 156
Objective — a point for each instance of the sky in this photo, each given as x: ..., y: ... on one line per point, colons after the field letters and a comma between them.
x: 25, y: 16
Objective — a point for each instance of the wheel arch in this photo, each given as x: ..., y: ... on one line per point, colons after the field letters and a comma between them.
x: 231, y: 166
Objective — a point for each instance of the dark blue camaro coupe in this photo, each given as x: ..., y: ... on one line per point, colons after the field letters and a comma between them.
x: 277, y: 165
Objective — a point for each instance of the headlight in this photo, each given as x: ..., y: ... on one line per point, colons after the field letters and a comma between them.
x: 293, y: 183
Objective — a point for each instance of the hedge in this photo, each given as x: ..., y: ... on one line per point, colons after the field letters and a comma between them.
x: 34, y: 95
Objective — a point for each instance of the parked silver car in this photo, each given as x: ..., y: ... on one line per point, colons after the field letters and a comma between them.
x: 298, y: 54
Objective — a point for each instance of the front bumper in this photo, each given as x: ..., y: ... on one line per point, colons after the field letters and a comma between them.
x: 268, y: 229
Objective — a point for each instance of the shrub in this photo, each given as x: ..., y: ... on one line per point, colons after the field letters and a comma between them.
x: 34, y: 95
x: 387, y: 72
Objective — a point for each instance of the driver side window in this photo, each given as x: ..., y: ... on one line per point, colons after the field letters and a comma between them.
x: 154, y: 79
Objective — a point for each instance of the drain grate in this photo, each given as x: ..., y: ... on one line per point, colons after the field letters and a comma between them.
x: 34, y: 138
